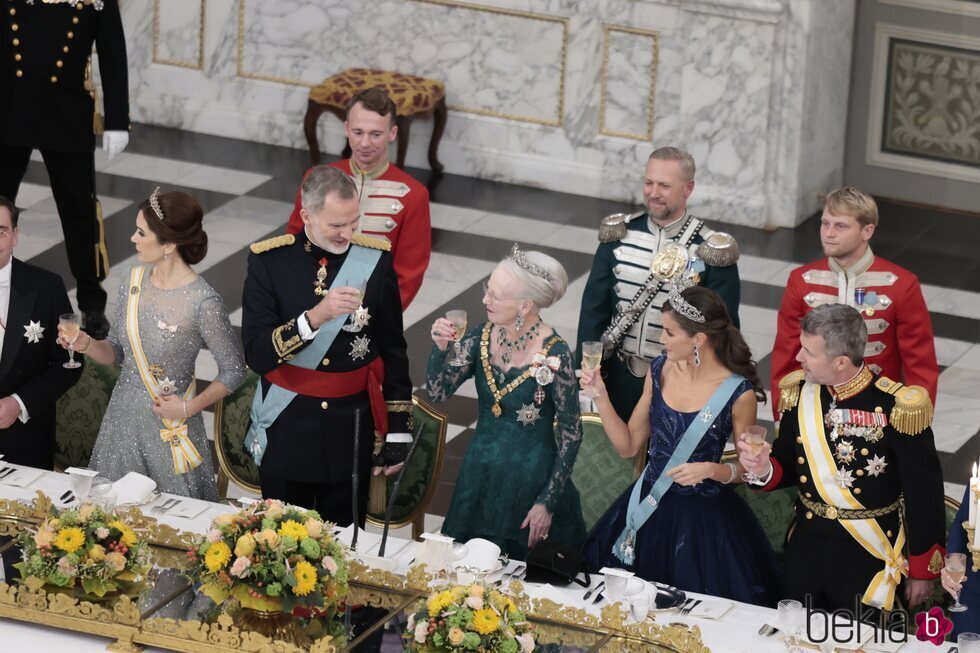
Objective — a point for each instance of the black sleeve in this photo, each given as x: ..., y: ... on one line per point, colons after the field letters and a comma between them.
x: 725, y: 281
x: 921, y: 479
x: 392, y: 348
x: 39, y: 392
x: 597, y: 306
x: 110, y: 42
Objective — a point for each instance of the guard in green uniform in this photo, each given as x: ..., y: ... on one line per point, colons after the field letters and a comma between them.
x: 622, y: 299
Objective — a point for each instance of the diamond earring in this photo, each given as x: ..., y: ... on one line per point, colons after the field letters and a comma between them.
x: 697, y: 356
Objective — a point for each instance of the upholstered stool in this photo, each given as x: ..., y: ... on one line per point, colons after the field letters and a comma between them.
x: 413, y: 96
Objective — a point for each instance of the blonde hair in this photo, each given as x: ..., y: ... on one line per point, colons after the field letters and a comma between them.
x: 850, y: 201
x: 669, y: 153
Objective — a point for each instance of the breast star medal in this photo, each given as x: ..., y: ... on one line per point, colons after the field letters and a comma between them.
x: 846, y: 453
x: 528, y: 414
x: 167, y: 387
x: 359, y: 347
x: 320, y: 285
x: 361, y: 316
x: 845, y: 478
x: 33, y: 331
x: 876, y: 466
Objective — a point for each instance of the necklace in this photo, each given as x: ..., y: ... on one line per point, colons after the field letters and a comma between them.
x: 520, y: 344
x: 175, y: 284
x: 499, y: 393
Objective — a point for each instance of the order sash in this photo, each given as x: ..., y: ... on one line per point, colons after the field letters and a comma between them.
x: 185, y: 455
x: 881, y: 590
x: 355, y: 269
x: 639, y: 511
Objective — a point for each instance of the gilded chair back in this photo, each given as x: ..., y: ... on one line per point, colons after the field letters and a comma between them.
x: 79, y: 413
x: 422, y: 474
x: 230, y: 424
x: 600, y: 473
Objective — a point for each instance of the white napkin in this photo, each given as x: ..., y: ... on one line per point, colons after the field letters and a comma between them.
x: 549, y: 591
x: 188, y: 509
x: 365, y: 541
x: 23, y: 477
x: 711, y: 609
x: 133, y: 489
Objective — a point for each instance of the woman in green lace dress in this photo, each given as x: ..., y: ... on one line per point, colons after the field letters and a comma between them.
x: 514, y: 487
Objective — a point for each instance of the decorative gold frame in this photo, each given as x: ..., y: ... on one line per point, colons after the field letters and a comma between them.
x: 417, y: 517
x: 558, y: 121
x: 225, y: 473
x: 655, y: 36
x: 199, y: 65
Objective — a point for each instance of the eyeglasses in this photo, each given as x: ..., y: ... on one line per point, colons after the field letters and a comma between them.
x: 5, y: 233
x: 494, y: 299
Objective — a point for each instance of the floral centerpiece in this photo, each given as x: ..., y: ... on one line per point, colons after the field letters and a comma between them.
x: 469, y: 618
x: 271, y: 557
x: 86, y: 547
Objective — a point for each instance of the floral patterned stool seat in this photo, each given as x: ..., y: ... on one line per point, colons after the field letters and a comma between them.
x: 413, y: 96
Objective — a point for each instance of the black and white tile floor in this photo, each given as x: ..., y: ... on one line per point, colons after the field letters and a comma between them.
x: 247, y: 190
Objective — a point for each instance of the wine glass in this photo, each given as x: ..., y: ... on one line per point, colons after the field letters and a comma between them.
x: 956, y: 568
x: 591, y: 359
x: 70, y: 325
x: 755, y: 438
x: 353, y: 326
x: 458, y: 318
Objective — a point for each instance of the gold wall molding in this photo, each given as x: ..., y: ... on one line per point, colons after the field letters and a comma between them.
x: 563, y: 21
x: 603, y: 87
x: 195, y: 65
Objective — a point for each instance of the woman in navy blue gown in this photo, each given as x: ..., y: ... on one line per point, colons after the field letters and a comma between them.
x: 968, y: 590
x: 701, y: 536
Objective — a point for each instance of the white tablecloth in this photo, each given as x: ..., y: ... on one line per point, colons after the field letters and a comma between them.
x: 736, y: 632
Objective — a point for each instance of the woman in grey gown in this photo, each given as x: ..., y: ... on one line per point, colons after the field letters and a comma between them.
x: 164, y: 314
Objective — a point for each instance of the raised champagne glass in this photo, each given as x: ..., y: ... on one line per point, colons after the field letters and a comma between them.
x: 458, y: 318
x: 956, y: 568
x: 354, y: 325
x: 591, y: 360
x: 70, y: 329
x: 755, y: 438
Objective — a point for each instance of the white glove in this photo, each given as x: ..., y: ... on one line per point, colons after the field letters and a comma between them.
x: 114, y: 141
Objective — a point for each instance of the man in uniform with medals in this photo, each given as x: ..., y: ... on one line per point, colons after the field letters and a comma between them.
x: 47, y: 103
x: 859, y: 448
x: 624, y: 294
x: 900, y: 338
x: 322, y: 324
x: 394, y: 206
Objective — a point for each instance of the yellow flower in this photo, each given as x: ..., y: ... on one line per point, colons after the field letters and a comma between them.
x: 305, y: 578
x: 293, y: 529
x: 456, y: 636
x: 485, y: 621
x: 275, y: 510
x: 439, y: 602
x: 268, y: 537
x: 85, y: 512
x: 128, y: 536
x: 245, y: 546
x: 225, y: 519
x: 97, y: 552
x: 70, y: 539
x: 476, y: 590
x: 217, y: 556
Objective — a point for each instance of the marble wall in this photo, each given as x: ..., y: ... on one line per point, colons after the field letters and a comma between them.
x: 570, y: 95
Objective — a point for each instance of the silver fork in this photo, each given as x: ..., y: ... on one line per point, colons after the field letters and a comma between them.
x: 165, y: 506
x: 166, y: 509
x: 683, y: 606
x: 694, y: 603
x: 515, y: 573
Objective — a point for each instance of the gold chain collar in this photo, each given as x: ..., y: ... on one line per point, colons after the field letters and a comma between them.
x: 499, y: 394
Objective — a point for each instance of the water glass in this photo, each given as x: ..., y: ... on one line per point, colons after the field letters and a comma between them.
x: 639, y: 606
x: 968, y: 643
x: 81, y: 485
x: 103, y: 494
x: 791, y: 617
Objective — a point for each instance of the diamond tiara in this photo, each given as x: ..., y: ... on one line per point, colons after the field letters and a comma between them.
x: 679, y: 304
x: 520, y: 258
x: 155, y: 203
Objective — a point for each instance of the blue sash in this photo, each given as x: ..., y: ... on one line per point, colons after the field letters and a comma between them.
x: 356, y: 268
x: 638, y: 512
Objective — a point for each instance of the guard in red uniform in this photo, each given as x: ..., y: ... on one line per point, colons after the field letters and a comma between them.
x: 900, y: 337
x: 394, y: 206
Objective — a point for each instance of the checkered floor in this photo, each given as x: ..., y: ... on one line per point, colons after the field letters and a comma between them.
x: 247, y: 191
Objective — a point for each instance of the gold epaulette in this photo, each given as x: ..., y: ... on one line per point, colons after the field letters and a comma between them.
x: 789, y: 390
x: 718, y: 249
x: 272, y: 243
x: 612, y: 228
x: 912, y: 413
x: 371, y: 241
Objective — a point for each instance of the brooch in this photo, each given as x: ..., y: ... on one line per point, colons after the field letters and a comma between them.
x: 359, y: 347
x: 33, y: 331
x: 876, y: 466
x: 528, y: 414
x: 163, y: 326
x: 846, y: 453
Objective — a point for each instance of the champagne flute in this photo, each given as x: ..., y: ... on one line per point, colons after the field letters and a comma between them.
x: 956, y: 568
x: 353, y: 325
x: 755, y: 438
x: 591, y: 360
x: 458, y: 318
x: 70, y: 325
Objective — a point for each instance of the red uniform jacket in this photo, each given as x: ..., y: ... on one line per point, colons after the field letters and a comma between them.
x: 900, y: 337
x: 394, y: 206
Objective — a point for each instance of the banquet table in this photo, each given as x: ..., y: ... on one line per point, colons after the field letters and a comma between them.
x: 736, y: 629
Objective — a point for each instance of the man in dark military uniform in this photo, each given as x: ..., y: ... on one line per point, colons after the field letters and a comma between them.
x: 45, y: 105
x: 301, y: 297
x: 857, y: 446
x: 622, y: 299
